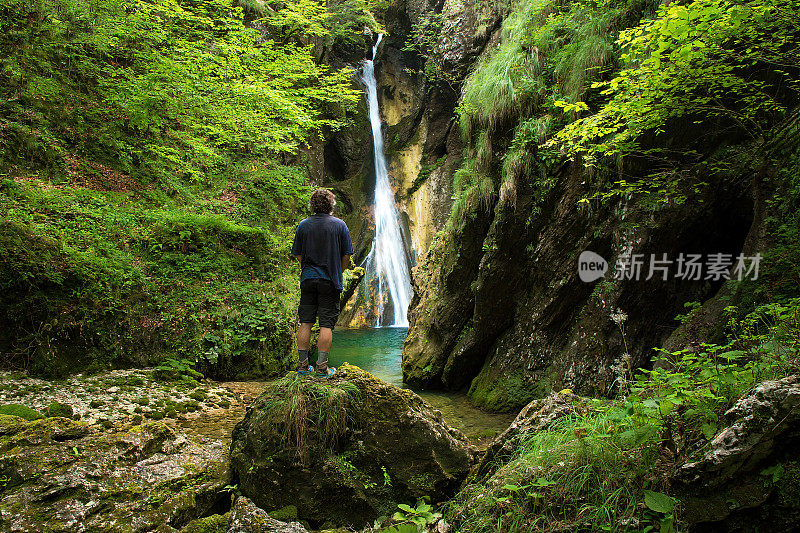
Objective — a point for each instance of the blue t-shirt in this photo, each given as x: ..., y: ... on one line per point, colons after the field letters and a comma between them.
x: 322, y: 240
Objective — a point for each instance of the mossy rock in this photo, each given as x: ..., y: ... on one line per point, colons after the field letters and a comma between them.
x: 79, y: 467
x: 285, y: 514
x: 390, y: 433
x: 503, y: 392
x: 22, y: 411
x: 215, y: 523
x: 60, y: 409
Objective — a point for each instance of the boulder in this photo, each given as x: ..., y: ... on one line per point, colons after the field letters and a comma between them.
x: 63, y: 475
x: 760, y: 423
x: 748, y: 477
x: 346, y: 449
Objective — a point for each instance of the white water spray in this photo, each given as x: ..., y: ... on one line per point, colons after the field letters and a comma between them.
x: 386, y: 265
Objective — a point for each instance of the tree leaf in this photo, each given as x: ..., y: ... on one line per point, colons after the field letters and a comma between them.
x: 658, y: 502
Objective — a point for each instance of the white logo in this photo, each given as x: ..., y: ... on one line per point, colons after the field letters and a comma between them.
x: 591, y: 266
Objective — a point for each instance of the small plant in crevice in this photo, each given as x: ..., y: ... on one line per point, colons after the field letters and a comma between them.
x: 421, y: 515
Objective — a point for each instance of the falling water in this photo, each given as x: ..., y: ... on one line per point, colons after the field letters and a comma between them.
x: 386, y: 265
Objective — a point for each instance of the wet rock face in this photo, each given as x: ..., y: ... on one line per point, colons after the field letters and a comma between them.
x: 499, y: 306
x: 423, y: 143
x: 66, y: 476
x: 395, y: 449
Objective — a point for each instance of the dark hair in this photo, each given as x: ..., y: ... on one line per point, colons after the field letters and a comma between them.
x: 322, y: 201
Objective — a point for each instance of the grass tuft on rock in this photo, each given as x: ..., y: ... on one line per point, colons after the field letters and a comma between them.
x: 310, y: 411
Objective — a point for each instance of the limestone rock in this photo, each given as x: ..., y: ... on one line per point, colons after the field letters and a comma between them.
x: 762, y: 421
x: 247, y: 518
x: 66, y: 476
x: 395, y: 449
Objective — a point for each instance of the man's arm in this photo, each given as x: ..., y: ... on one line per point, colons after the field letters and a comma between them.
x: 345, y: 261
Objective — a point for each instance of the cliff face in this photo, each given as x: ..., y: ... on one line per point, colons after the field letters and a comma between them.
x: 499, y: 306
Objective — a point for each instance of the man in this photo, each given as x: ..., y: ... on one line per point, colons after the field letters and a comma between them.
x: 322, y: 246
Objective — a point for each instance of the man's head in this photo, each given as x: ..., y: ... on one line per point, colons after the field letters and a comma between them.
x: 322, y: 201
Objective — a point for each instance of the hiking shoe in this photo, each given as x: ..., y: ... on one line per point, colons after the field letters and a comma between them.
x: 306, y: 371
x: 326, y: 374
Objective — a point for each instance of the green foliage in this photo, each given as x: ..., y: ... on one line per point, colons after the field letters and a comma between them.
x: 421, y: 515
x: 424, y: 40
x: 711, y: 61
x: 154, y: 89
x: 177, y: 370
x: 532, y: 84
x: 181, y: 275
x: 145, y: 213
x: 347, y: 20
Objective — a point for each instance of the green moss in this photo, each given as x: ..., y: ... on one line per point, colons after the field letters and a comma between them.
x: 198, y: 395
x: 94, y: 404
x: 499, y: 391
x: 21, y: 411
x: 788, y: 486
x: 210, y: 524
x: 142, y: 401
x: 285, y: 514
x: 60, y: 409
x: 154, y: 415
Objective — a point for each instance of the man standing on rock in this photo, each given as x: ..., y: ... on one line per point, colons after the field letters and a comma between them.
x: 323, y: 248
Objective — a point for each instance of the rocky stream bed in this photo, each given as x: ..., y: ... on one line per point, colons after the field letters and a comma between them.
x: 130, y: 450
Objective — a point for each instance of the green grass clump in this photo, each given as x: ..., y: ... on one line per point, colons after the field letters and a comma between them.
x: 21, y: 411
x: 310, y: 411
x: 579, y: 472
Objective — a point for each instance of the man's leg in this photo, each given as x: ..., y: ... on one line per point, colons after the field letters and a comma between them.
x: 328, y: 314
x: 323, y: 348
x: 307, y: 313
x: 303, y: 343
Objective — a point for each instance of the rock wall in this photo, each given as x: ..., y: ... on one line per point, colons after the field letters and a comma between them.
x: 499, y: 306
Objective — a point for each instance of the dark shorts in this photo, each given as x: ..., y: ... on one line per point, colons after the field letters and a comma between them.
x: 319, y: 297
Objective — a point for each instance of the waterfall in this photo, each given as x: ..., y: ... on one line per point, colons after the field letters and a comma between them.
x: 386, y: 266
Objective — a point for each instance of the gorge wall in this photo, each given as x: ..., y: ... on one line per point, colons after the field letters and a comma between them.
x: 499, y: 308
